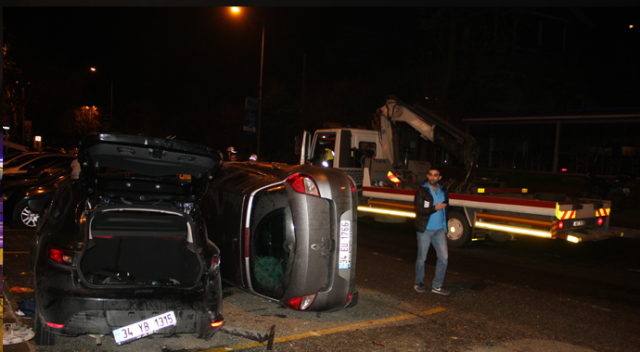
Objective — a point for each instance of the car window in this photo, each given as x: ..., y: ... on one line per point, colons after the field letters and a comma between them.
x: 272, y: 249
x: 368, y: 148
x: 323, y: 142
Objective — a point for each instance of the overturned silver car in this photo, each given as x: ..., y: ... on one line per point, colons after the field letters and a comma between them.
x: 287, y: 233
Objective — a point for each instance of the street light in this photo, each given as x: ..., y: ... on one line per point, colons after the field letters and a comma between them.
x: 93, y: 69
x: 237, y: 10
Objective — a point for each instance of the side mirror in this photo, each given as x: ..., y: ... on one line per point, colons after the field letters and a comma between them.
x: 37, y: 205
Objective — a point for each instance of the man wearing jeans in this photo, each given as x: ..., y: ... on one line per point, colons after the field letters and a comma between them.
x: 431, y: 227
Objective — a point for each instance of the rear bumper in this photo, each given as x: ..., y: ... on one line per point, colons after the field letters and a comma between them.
x: 103, y: 316
x: 99, y: 311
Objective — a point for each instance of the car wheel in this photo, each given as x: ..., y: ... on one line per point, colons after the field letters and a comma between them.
x: 43, y: 336
x: 458, y: 234
x: 25, y: 217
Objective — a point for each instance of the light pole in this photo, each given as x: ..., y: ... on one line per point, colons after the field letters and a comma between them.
x: 93, y: 69
x: 237, y: 10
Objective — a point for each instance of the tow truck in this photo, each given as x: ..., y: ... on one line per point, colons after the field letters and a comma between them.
x: 477, y: 207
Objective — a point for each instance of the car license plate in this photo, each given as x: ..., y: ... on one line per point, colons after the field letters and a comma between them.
x: 578, y: 223
x: 144, y: 327
x: 345, y: 245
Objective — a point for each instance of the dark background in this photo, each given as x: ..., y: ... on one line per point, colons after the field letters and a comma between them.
x: 186, y: 71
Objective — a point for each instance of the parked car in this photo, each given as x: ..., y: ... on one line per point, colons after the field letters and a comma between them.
x: 286, y: 233
x: 123, y: 249
x: 35, y: 174
x: 26, y: 162
x: 18, y: 191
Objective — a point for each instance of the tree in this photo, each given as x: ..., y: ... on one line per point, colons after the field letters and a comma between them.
x: 87, y: 120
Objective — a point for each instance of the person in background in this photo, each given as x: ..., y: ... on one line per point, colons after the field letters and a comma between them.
x: 327, y: 158
x: 430, y: 204
x: 75, y: 169
x: 232, y: 154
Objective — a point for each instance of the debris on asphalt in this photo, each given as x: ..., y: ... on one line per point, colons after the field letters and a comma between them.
x: 13, y: 333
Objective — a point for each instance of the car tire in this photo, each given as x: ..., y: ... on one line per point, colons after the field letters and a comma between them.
x: 459, y: 233
x: 24, y: 217
x: 43, y: 336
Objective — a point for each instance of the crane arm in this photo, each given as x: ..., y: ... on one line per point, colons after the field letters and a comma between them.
x: 431, y: 127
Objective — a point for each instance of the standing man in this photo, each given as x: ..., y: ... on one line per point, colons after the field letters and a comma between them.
x: 431, y: 227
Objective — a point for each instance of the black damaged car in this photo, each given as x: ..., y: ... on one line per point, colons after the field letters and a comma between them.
x: 123, y: 250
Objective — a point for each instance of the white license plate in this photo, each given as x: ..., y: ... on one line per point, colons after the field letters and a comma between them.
x: 345, y: 245
x: 144, y: 327
x: 578, y: 223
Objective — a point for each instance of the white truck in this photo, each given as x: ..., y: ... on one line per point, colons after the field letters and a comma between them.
x: 478, y: 208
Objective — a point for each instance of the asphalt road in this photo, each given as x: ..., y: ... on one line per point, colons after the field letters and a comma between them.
x: 524, y: 295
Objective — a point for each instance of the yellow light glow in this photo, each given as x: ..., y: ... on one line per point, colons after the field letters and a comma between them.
x: 630, y: 26
x: 573, y: 239
x: 524, y: 190
x: 512, y: 229
x: 93, y: 69
x: 387, y: 211
x: 480, y: 190
x: 235, y: 9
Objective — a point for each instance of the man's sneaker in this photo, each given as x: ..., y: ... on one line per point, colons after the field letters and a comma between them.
x: 420, y: 288
x: 439, y: 290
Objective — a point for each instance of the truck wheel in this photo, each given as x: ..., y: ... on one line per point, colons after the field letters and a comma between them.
x: 459, y: 233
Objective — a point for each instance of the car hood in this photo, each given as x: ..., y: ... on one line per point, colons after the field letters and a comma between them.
x: 143, y: 155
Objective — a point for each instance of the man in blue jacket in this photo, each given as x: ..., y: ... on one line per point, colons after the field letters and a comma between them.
x: 431, y: 227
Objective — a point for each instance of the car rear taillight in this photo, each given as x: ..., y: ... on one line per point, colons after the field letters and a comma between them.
x: 302, y: 302
x: 600, y: 221
x: 57, y: 326
x: 304, y: 184
x: 561, y: 225
x: 60, y: 256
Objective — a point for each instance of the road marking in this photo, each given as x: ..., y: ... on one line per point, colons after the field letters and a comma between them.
x: 16, y: 252
x: 326, y: 331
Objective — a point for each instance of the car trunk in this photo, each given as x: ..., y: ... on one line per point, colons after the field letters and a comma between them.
x: 138, y: 246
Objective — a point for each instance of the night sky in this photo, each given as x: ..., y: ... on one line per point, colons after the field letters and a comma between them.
x: 179, y: 67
